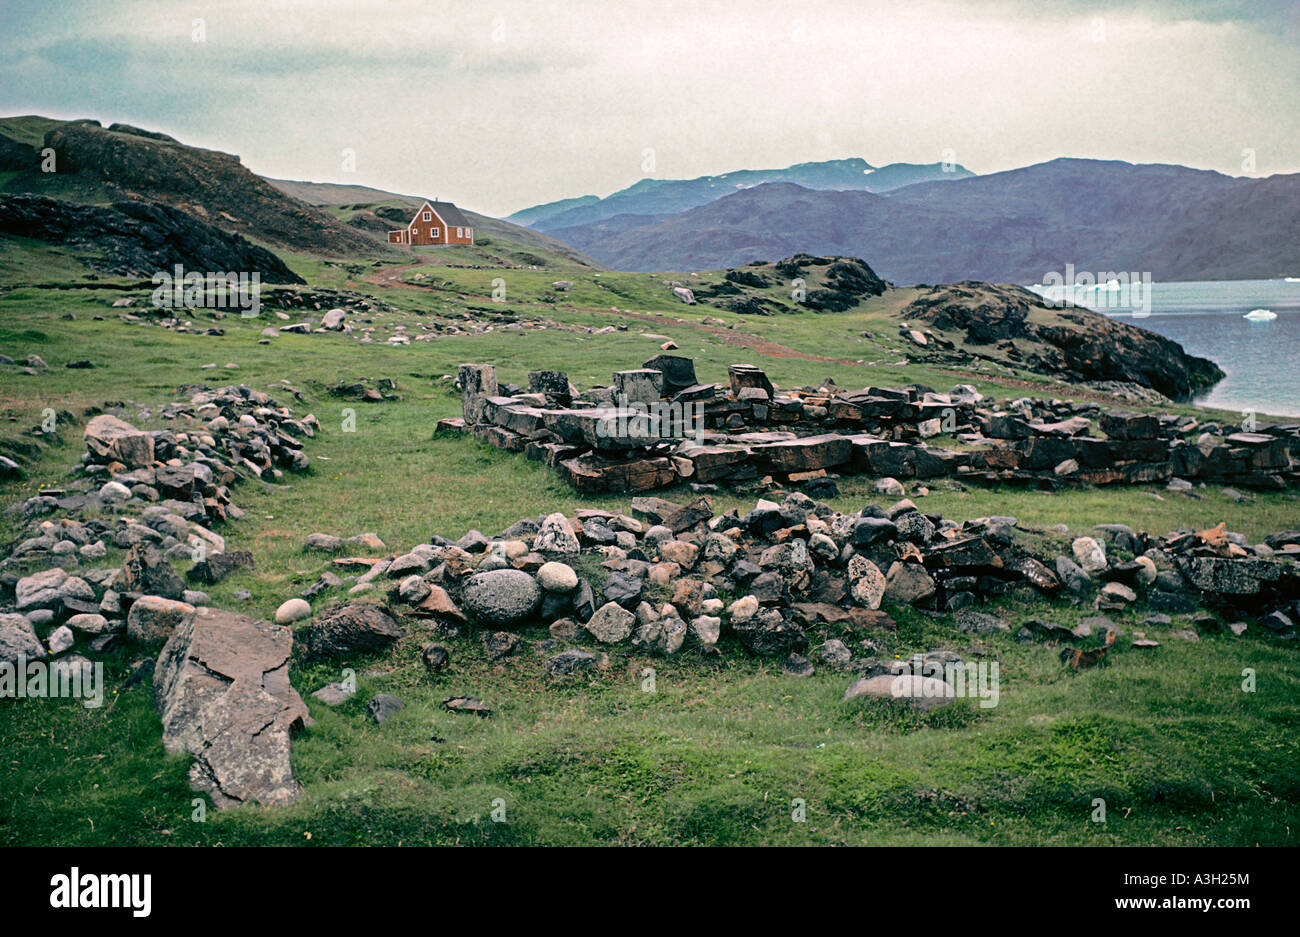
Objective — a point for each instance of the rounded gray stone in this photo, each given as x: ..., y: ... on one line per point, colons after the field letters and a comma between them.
x: 501, y: 597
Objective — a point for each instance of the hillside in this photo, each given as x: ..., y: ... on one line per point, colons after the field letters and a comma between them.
x: 1177, y: 223
x: 353, y: 201
x: 669, y: 196
x: 98, y: 165
x: 137, y: 239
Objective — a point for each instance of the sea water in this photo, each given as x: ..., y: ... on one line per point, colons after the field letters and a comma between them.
x: 1261, y: 359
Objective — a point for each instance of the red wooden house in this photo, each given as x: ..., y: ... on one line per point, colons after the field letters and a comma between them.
x: 435, y: 223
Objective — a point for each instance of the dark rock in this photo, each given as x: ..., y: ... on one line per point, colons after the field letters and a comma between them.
x: 215, y: 567
x: 349, y: 628
x: 870, y: 530
x: 467, y: 704
x: 382, y: 706
x: 570, y: 662
x: 623, y: 589
x: 145, y: 571
x: 435, y: 658
x: 1072, y: 575
x: 500, y: 644
x: 769, y: 634
x: 796, y: 665
x: 1277, y: 622
x: 979, y: 623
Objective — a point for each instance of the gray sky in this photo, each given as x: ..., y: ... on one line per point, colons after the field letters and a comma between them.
x: 498, y: 105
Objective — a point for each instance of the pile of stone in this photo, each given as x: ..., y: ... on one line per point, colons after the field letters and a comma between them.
x: 802, y: 575
x: 157, y: 495
x: 658, y: 425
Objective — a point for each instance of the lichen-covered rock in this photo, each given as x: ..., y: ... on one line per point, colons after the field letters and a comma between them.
x: 570, y: 662
x: 556, y: 536
x: 906, y: 583
x: 866, y: 582
x: 611, y: 623
x: 18, y: 639
x: 146, y: 571
x: 1089, y: 554
x: 49, y: 588
x: 770, y: 634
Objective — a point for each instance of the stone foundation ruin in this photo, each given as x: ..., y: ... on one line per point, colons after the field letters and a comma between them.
x: 658, y: 426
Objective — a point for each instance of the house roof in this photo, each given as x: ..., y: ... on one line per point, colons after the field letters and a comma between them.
x: 449, y: 213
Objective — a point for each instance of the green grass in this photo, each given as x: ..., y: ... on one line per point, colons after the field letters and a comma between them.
x: 717, y: 754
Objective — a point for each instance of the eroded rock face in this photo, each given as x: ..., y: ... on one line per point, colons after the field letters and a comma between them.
x: 222, y: 688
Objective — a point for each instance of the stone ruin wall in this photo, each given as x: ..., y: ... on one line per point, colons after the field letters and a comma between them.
x: 748, y: 429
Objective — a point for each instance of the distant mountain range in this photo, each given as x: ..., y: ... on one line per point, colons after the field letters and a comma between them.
x: 670, y: 196
x: 1014, y: 226
x: 912, y: 223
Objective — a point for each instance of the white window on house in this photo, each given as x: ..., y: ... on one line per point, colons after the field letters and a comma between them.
x: 428, y: 216
x: 433, y: 232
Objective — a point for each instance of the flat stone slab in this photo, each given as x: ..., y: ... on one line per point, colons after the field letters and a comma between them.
x: 222, y: 688
x: 803, y: 455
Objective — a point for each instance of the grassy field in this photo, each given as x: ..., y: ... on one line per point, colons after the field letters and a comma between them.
x: 725, y: 753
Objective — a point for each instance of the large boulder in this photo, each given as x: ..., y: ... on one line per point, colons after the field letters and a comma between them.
x: 107, y: 437
x: 349, y: 628
x: 500, y: 598
x: 222, y: 688
x: 1227, y: 576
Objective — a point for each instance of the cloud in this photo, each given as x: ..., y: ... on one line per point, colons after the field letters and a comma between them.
x: 501, y: 105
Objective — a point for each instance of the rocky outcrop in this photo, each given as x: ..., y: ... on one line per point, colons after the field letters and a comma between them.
x: 207, y: 185
x: 221, y: 686
x: 138, y: 238
x: 1072, y: 342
